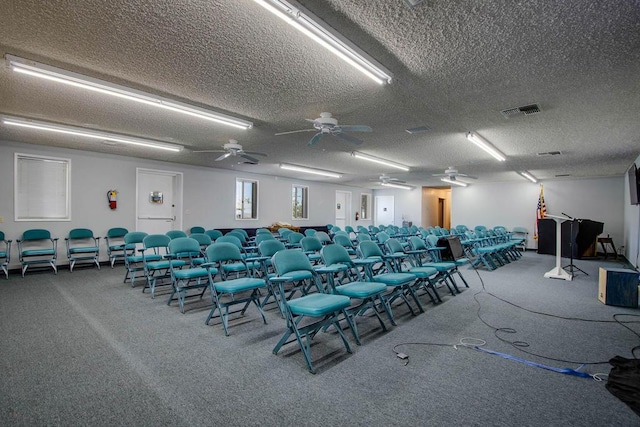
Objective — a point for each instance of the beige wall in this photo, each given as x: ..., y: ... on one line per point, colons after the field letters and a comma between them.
x: 430, y: 197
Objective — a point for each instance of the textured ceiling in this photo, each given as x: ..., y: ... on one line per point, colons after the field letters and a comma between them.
x: 455, y: 65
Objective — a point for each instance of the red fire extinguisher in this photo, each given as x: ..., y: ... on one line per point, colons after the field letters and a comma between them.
x: 112, y: 197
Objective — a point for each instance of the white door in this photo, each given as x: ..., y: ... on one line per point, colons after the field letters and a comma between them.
x: 384, y: 210
x: 159, y: 201
x: 343, y: 208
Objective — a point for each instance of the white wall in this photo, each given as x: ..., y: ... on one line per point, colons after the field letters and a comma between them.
x: 514, y: 203
x: 631, y: 226
x: 208, y: 200
x: 407, y: 204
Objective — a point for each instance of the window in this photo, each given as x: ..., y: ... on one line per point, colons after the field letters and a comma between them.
x: 41, y: 188
x: 246, y: 199
x: 365, y: 206
x: 299, y: 202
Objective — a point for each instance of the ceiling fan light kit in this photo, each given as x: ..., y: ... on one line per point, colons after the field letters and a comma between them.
x: 70, y: 78
x: 88, y: 133
x: 320, y: 172
x: 312, y: 27
x: 378, y: 160
x: 528, y: 175
x: 486, y: 146
x: 454, y: 182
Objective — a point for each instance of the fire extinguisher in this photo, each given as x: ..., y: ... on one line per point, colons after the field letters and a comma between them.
x: 357, y: 216
x: 112, y: 197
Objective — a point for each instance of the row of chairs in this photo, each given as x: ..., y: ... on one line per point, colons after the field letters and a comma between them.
x: 330, y: 285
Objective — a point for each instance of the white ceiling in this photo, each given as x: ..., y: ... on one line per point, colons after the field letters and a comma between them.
x: 455, y: 65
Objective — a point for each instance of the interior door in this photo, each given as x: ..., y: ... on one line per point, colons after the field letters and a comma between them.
x: 384, y: 210
x: 343, y: 208
x: 156, y: 201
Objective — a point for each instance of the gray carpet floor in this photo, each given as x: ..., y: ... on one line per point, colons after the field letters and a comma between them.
x: 83, y: 348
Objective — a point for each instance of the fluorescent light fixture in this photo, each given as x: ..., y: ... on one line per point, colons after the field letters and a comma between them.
x: 87, y: 133
x: 486, y: 146
x: 310, y: 26
x: 402, y: 186
x: 451, y: 181
x: 59, y: 75
x: 528, y: 175
x: 309, y: 170
x: 379, y: 161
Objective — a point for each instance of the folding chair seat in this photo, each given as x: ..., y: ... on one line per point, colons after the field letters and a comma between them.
x: 339, y: 267
x: 426, y: 276
x: 311, y: 247
x: 5, y: 255
x: 115, y: 244
x: 185, y: 280
x: 82, y: 245
x: 157, y: 271
x: 213, y: 234
x: 230, y: 292
x: 37, y: 247
x: 133, y: 257
x: 321, y: 309
x: 173, y: 234
x: 399, y: 285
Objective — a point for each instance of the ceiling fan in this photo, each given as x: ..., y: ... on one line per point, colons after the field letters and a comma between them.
x: 232, y: 149
x: 327, y: 125
x: 452, y: 173
x: 386, y: 179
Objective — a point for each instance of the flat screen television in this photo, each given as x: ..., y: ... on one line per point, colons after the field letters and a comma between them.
x: 632, y: 175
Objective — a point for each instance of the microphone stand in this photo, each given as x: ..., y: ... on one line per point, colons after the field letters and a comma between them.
x: 571, y: 268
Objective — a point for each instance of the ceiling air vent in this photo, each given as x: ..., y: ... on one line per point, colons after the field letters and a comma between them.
x: 527, y: 110
x: 562, y: 175
x: 418, y: 129
x: 549, y: 153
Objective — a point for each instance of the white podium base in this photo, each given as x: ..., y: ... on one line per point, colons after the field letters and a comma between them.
x: 557, y: 273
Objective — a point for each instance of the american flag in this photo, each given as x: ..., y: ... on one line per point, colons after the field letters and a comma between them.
x: 541, y: 211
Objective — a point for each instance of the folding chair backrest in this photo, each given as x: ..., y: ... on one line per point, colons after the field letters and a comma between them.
x: 283, y: 232
x: 230, y: 238
x: 196, y: 229
x: 263, y: 231
x: 294, y: 237
x: 369, y: 248
x: 363, y: 237
x: 223, y: 251
x: 134, y: 237
x: 80, y: 233
x: 184, y: 247
x: 432, y: 241
x: 156, y: 242
x: 394, y: 246
x: 241, y: 231
x: 36, y: 234
x: 214, y: 234
x: 417, y: 244
x: 239, y: 235
x: 173, y: 234
x: 290, y: 260
x: 382, y: 237
x: 264, y: 236
x: 342, y: 240
x: 334, y: 254
x: 270, y: 247
x: 202, y: 239
x: 116, y: 232
x: 311, y: 244
x: 323, y: 236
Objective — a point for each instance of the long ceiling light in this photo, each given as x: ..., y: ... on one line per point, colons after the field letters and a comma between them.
x: 391, y: 184
x: 88, y: 133
x: 454, y: 182
x: 309, y: 170
x: 70, y: 78
x: 486, y: 146
x: 379, y: 161
x: 528, y: 175
x: 326, y: 37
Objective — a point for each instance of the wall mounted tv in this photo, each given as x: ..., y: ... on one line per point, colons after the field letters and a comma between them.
x: 633, y: 176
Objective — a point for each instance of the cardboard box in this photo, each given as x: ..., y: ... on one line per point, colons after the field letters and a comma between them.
x: 619, y: 287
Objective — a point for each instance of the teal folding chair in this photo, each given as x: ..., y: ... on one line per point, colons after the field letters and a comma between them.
x: 81, y: 246
x: 425, y: 255
x: 322, y: 309
x: 261, y: 237
x: 116, y: 248
x: 133, y: 258
x: 345, y: 242
x: 186, y: 280
x: 157, y: 271
x: 427, y: 276
x: 229, y: 292
x: 173, y: 234
x: 5, y: 255
x: 344, y: 279
x: 213, y: 234
x: 294, y: 238
x: 311, y: 246
x: 37, y: 247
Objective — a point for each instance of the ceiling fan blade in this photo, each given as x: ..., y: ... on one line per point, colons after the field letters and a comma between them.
x: 224, y: 156
x: 351, y: 139
x: 467, y: 176
x: 315, y: 138
x: 399, y: 181
x: 440, y: 174
x: 255, y: 153
x: 209, y: 151
x: 251, y: 159
x: 355, y: 128
x: 296, y: 131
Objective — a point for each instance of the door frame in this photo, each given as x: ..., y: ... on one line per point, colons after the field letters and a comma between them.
x: 347, y: 208
x: 178, y: 179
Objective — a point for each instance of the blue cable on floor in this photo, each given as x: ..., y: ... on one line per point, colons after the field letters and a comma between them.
x: 566, y: 371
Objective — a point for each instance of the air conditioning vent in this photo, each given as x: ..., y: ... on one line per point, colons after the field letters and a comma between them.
x: 549, y: 153
x: 418, y: 129
x: 526, y: 110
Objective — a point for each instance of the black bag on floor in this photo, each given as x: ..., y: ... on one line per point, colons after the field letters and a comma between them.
x: 624, y: 381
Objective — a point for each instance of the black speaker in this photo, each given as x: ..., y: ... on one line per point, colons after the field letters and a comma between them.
x: 453, y: 248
